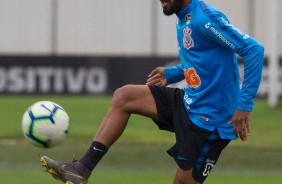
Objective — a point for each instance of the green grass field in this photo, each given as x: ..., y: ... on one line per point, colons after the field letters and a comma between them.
x: 139, y: 156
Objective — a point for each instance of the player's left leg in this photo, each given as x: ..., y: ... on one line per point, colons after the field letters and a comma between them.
x: 184, y: 177
x: 196, y: 152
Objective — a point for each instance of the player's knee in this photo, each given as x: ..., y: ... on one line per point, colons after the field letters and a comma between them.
x: 121, y: 96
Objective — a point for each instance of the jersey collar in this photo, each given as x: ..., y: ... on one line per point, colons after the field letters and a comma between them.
x: 188, y: 9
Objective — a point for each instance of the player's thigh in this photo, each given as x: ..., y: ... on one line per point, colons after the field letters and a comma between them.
x: 184, y: 177
x: 136, y: 99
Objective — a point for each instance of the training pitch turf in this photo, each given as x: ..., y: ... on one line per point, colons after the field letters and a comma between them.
x: 139, y: 156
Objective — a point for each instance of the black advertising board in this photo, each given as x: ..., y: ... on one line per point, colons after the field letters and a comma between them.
x: 75, y: 75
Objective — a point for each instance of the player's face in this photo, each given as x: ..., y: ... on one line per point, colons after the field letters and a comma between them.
x: 172, y: 6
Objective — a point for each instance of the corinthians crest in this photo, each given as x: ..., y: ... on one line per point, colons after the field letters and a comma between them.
x: 187, y: 39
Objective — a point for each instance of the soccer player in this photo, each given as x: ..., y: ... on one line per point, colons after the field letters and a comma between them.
x: 205, y: 116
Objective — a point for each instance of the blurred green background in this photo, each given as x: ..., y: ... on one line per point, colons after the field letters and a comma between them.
x: 139, y: 156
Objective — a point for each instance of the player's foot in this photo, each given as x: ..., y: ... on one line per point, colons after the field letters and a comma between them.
x: 67, y: 172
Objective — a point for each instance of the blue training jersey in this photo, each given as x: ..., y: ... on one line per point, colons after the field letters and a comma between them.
x: 208, y: 44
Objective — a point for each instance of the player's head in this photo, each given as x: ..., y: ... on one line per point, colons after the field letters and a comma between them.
x: 172, y: 6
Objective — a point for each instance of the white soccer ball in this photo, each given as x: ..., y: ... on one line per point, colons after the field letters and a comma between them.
x: 45, y: 124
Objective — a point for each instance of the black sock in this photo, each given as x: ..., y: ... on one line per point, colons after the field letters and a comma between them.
x: 93, y: 155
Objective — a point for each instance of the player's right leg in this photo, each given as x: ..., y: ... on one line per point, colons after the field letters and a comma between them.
x: 67, y: 172
x: 136, y: 99
x: 126, y: 100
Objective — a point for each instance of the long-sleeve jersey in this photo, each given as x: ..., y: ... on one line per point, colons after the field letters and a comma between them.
x: 208, y: 44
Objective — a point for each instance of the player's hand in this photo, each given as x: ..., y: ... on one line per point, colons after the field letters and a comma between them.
x: 157, y: 77
x: 241, y: 120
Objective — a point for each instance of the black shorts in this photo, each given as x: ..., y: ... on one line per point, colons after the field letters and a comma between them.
x: 195, y: 147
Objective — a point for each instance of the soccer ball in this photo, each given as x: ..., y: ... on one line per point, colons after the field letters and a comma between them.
x: 45, y: 124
